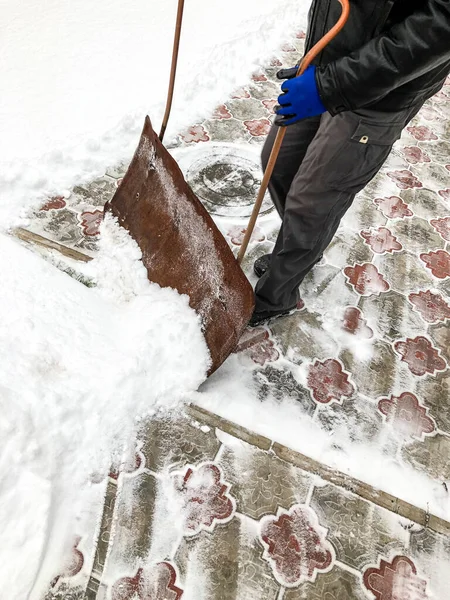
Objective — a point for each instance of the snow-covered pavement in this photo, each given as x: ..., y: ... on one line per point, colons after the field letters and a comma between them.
x: 357, y: 381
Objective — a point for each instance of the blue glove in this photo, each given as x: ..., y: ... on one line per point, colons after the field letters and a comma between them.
x: 300, y: 99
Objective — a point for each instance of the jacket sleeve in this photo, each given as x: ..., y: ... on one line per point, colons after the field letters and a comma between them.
x: 405, y: 52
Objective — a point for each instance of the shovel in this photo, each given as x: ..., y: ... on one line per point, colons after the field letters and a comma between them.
x: 181, y: 246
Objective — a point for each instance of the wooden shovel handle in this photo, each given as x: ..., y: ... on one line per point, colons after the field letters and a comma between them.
x: 306, y: 61
x: 173, y: 70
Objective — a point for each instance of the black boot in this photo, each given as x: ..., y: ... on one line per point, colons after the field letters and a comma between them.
x: 261, y: 265
x: 268, y: 316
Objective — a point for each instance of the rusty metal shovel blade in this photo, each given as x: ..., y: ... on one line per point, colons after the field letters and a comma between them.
x: 181, y: 246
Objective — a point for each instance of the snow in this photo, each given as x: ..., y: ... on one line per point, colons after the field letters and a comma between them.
x: 78, y: 78
x: 78, y: 366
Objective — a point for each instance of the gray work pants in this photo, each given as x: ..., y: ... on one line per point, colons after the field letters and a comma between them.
x: 324, y: 162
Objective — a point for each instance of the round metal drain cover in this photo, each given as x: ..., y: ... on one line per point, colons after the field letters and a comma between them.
x: 225, y: 177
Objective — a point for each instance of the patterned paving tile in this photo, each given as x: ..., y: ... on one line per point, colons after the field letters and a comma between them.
x: 66, y: 592
x: 329, y: 381
x: 355, y: 419
x: 440, y: 334
x: 224, y: 131
x: 275, y: 483
x: 96, y: 193
x: 417, y: 235
x: 175, y: 442
x: 435, y: 175
x: 296, y: 545
x: 62, y: 226
x: 435, y: 392
x: 133, y: 524
x: 348, y: 248
x: 155, y: 581
x: 393, y: 316
x: 358, y: 531
x: 376, y: 375
x: 363, y: 214
x: 325, y: 286
x: 436, y: 150
x: 302, y: 337
x: 427, y: 548
x: 432, y: 456
x: 234, y: 569
x: 264, y: 90
x: 397, y: 577
x: 279, y: 384
x: 424, y: 203
x: 253, y: 108
x: 335, y: 585
x: 408, y: 417
x: 403, y: 272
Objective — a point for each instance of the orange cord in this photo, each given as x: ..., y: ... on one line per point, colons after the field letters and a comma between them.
x: 306, y: 61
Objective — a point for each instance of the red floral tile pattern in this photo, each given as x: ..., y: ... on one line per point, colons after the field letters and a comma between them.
x: 276, y: 62
x: 415, y: 155
x: 296, y: 546
x: 241, y: 94
x: 74, y: 564
x: 237, y: 234
x: 91, y: 221
x: 222, y: 113
x: 442, y: 226
x: 328, y: 381
x: 445, y: 193
x: 54, y: 204
x: 432, y: 307
x: 205, y: 497
x: 405, y: 180
x: 397, y: 580
x: 381, y: 241
x: 423, y: 134
x: 259, y: 77
x: 264, y: 352
x: 270, y: 104
x: 355, y: 323
x: 301, y: 35
x: 258, y: 127
x: 196, y: 134
x: 407, y: 416
x: 366, y: 279
x: 438, y: 262
x: 421, y: 356
x: 158, y: 584
x: 288, y: 48
x: 393, y: 207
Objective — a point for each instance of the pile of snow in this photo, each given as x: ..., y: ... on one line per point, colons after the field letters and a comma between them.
x: 78, y: 367
x: 78, y: 78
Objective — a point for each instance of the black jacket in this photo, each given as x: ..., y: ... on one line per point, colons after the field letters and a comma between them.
x: 392, y: 54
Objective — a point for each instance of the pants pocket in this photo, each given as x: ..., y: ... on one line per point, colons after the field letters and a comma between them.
x: 363, y: 154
